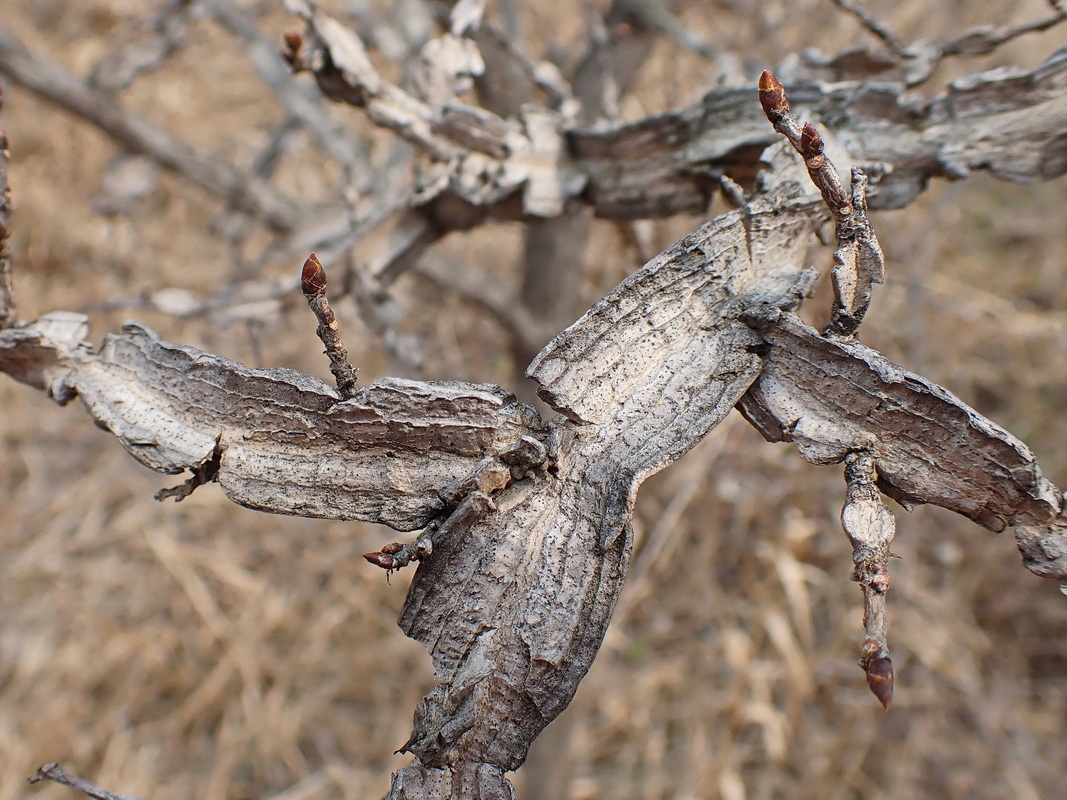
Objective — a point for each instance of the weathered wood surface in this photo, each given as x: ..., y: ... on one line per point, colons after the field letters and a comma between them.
x: 529, y: 555
x: 287, y: 443
x: 1008, y: 122
x: 834, y: 396
x: 529, y: 520
x: 525, y: 570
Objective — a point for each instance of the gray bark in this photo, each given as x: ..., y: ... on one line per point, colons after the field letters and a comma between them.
x: 526, y: 522
x: 530, y: 521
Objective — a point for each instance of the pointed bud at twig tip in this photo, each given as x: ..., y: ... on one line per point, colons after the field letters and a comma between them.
x: 768, y: 81
x: 878, y: 665
x: 383, y: 560
x: 772, y: 95
x: 313, y: 277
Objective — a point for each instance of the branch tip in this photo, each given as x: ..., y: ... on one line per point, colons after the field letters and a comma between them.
x: 772, y: 95
x: 293, y: 51
x: 875, y: 660
x: 313, y: 277
x: 313, y: 285
x: 394, y: 555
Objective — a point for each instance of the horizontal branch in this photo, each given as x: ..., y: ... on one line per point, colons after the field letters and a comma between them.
x: 1007, y: 122
x: 288, y: 445
x: 832, y: 397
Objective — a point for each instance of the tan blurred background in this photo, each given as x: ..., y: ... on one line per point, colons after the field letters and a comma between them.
x: 205, y: 651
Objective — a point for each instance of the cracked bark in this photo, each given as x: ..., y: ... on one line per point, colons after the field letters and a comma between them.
x: 529, y: 520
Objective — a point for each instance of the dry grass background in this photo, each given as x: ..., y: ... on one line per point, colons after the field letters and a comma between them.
x: 205, y: 651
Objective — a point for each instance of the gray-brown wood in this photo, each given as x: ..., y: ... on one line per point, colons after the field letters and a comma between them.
x: 525, y: 523
x: 835, y: 396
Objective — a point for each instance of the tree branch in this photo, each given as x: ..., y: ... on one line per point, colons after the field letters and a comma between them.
x: 139, y: 135
x: 8, y: 312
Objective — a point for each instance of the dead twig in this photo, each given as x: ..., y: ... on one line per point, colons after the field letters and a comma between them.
x: 56, y: 774
x: 872, y: 24
x: 154, y: 41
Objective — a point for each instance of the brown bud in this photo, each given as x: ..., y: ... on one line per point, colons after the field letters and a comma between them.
x: 392, y: 548
x: 294, y: 43
x: 878, y: 665
x: 313, y: 277
x: 810, y: 141
x: 772, y: 95
x: 383, y: 560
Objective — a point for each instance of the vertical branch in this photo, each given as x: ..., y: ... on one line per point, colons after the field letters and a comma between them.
x: 858, y: 259
x: 313, y: 284
x: 8, y: 315
x: 870, y: 527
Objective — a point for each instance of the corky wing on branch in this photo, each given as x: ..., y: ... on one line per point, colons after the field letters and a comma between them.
x: 284, y: 441
x: 1008, y: 122
x: 833, y: 396
x: 516, y: 598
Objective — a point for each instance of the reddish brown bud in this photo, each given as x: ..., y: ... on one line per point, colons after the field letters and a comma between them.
x: 313, y: 277
x: 772, y: 95
x: 878, y: 665
x: 294, y: 43
x: 383, y: 560
x: 810, y: 141
x: 392, y: 548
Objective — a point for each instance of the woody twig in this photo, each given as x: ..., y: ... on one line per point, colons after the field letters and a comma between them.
x: 313, y: 284
x: 8, y: 316
x: 858, y: 259
x: 870, y: 527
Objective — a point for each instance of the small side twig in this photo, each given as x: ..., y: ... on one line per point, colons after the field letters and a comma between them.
x: 984, y: 40
x: 870, y: 527
x: 858, y: 259
x: 395, y: 556
x: 313, y: 284
x: 56, y: 774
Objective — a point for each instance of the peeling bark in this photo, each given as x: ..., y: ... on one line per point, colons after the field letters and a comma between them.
x: 524, y: 524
